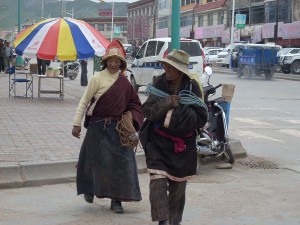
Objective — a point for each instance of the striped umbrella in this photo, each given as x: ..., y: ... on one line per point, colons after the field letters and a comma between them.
x: 60, y: 38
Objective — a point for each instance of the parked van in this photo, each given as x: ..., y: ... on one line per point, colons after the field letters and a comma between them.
x: 145, y: 66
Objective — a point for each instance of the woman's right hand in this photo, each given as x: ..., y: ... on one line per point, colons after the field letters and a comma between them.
x: 76, y: 131
x: 174, y: 100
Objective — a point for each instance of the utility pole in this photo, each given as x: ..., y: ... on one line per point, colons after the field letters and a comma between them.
x: 232, y: 26
x: 175, y: 26
x: 276, y: 24
x: 43, y: 2
x: 193, y: 21
x: 19, y: 16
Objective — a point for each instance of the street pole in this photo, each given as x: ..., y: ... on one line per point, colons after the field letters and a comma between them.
x: 175, y: 26
x: 232, y: 26
x: 276, y: 24
x: 112, y: 21
x: 193, y: 22
x: 43, y: 8
x: 19, y: 16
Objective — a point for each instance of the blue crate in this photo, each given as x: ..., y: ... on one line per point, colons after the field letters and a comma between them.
x: 226, y: 107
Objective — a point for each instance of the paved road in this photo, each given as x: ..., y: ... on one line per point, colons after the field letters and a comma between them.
x: 243, y: 195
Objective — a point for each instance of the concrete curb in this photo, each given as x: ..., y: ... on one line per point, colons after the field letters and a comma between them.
x: 36, y: 174
x: 276, y: 75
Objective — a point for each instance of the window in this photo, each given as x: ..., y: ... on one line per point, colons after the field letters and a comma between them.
x: 151, y: 48
x: 221, y: 17
x: 284, y: 11
x: 140, y: 54
x: 295, y: 51
x: 192, y: 48
x: 200, y: 20
x: 186, y: 21
x: 210, y: 19
x: 160, y: 44
x: 163, y: 4
x: 163, y: 22
x: 101, y: 27
x: 187, y: 2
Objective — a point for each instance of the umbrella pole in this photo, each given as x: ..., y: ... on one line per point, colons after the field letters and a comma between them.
x: 63, y: 69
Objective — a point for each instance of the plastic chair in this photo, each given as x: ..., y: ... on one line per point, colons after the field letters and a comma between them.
x: 26, y: 79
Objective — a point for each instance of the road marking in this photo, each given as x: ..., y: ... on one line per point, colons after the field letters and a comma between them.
x: 291, y: 132
x: 294, y: 121
x: 253, y: 135
x: 252, y: 121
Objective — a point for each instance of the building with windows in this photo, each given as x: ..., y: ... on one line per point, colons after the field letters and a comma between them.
x: 141, y: 21
x: 103, y: 25
x: 210, y: 21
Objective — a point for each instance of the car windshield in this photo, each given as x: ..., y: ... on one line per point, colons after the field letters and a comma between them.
x: 284, y: 51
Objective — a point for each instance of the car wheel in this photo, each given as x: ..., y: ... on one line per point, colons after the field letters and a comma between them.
x: 285, y: 70
x: 295, y: 68
x: 133, y: 83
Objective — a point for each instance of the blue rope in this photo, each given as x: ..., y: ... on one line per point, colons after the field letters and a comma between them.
x: 186, y: 97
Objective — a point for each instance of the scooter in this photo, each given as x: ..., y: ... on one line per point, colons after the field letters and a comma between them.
x: 212, y: 140
x: 71, y: 69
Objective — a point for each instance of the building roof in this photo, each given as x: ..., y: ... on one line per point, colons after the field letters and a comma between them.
x: 210, y: 6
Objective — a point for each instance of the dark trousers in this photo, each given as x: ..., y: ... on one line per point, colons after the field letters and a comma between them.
x: 166, y: 206
x: 2, y: 66
x: 41, y: 66
x: 83, y: 78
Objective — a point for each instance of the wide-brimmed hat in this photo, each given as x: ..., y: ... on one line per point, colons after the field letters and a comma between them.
x: 178, y: 59
x: 115, y: 49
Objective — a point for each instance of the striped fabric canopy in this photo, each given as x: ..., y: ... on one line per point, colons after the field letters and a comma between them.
x: 61, y: 38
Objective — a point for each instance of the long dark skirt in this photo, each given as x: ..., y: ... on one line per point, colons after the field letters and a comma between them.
x: 106, y: 169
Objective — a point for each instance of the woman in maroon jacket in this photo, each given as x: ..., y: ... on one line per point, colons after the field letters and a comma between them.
x: 106, y: 168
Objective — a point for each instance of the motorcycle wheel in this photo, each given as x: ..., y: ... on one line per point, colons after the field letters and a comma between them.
x: 228, y: 156
x: 73, y: 77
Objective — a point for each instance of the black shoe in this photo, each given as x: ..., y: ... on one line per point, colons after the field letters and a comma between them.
x: 89, y: 198
x: 116, y: 206
x: 165, y: 222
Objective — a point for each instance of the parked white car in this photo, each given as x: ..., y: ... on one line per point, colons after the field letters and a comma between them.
x: 211, y: 55
x: 286, y: 59
x: 224, y: 56
x: 145, y: 66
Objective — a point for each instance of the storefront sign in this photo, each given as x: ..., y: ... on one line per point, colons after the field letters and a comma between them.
x: 199, y: 33
x: 162, y: 32
x: 290, y: 30
x: 240, y: 20
x: 213, y: 31
x: 256, y: 34
x: 226, y: 36
x: 185, y: 32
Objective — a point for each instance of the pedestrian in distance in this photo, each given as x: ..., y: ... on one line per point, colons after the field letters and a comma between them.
x: 2, y: 56
x: 168, y: 137
x: 8, y: 55
x: 83, y: 78
x: 41, y: 64
x: 107, y: 165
